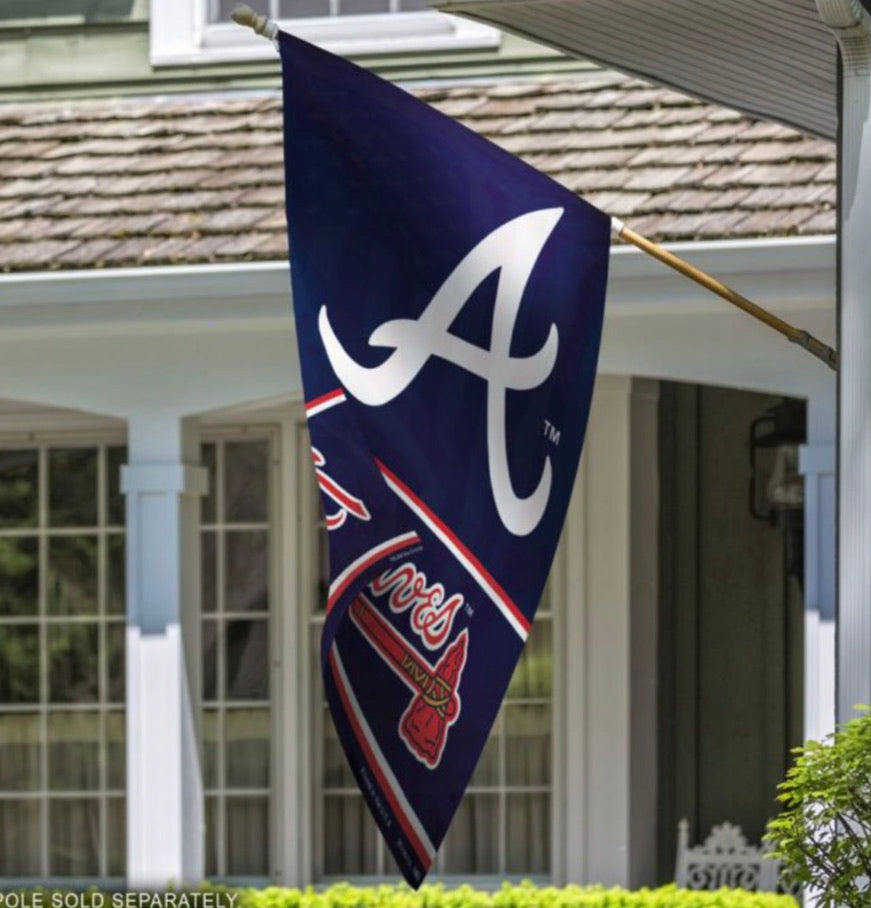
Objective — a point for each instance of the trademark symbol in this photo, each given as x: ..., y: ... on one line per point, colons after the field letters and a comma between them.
x: 468, y: 610
x: 551, y: 432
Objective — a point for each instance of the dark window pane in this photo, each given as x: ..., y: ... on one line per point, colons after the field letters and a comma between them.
x: 19, y: 838
x: 72, y: 575
x: 115, y: 661
x: 247, y: 836
x: 245, y: 480
x: 72, y: 663
x: 19, y: 752
x: 116, y: 580
x: 323, y: 581
x: 19, y: 488
x: 247, y: 660
x: 304, y: 9
x: 74, y: 826
x: 212, y: 807
x: 358, y: 7
x: 211, y: 737
x: 19, y: 576
x: 209, y: 641
x: 208, y: 569
x: 487, y: 770
x: 472, y: 842
x: 350, y: 837
x: 323, y: 588
x: 19, y: 664
x: 225, y: 7
x: 116, y: 457
x: 247, y: 575
x: 207, y: 502
x: 73, y: 751
x: 335, y: 771
x: 247, y: 753
x: 72, y: 485
x: 116, y: 756
x: 116, y: 836
x: 407, y: 6
x: 529, y: 837
x: 527, y: 755
x: 534, y: 673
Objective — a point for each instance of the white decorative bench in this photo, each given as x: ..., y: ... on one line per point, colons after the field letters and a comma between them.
x: 725, y: 859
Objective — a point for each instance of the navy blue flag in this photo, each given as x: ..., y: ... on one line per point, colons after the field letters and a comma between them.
x: 448, y: 303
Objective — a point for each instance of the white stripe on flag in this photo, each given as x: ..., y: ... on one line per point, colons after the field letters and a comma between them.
x: 324, y: 402
x: 499, y: 598
x: 358, y: 565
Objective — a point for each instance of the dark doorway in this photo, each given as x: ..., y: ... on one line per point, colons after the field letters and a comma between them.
x: 730, y: 622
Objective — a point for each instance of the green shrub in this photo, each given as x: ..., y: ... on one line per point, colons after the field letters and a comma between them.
x: 823, y: 835
x: 524, y: 895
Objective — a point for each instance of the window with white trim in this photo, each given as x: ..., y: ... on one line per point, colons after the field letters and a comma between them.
x: 503, y: 825
x: 199, y: 31
x: 236, y: 540
x: 220, y: 10
x: 62, y: 750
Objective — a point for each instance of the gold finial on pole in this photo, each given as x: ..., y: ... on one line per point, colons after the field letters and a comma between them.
x: 244, y: 15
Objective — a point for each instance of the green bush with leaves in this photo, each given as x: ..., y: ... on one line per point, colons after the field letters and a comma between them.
x: 823, y: 835
x: 524, y: 895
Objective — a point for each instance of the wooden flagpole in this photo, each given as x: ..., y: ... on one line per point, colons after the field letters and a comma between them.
x: 246, y: 16
x: 814, y: 346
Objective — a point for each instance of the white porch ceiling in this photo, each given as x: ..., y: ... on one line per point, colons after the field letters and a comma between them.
x: 771, y: 58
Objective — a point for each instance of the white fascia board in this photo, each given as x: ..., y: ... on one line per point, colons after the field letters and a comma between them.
x: 167, y: 297
x: 793, y: 274
x: 144, y: 284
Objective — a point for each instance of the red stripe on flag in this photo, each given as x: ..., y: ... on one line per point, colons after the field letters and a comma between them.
x: 366, y: 560
x: 341, y: 497
x: 495, y: 591
x: 331, y: 398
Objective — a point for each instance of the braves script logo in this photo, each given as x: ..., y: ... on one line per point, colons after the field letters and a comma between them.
x: 435, y: 704
x: 348, y: 503
x: 512, y: 249
x: 432, y: 617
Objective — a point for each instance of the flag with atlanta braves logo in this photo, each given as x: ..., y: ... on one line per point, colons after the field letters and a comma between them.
x: 448, y: 302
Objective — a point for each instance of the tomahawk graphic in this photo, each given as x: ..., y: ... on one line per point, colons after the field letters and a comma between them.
x: 436, y: 703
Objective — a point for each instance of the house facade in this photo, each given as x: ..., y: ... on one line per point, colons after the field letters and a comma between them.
x: 161, y: 547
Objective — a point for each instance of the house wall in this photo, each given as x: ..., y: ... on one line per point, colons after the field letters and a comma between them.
x: 602, y: 731
x: 167, y: 351
x: 70, y: 57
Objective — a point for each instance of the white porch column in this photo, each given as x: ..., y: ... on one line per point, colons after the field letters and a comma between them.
x: 849, y: 23
x: 607, y: 816
x: 163, y: 483
x: 817, y: 465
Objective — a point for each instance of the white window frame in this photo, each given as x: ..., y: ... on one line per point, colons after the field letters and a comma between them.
x: 180, y: 34
x: 67, y: 435
x: 239, y: 431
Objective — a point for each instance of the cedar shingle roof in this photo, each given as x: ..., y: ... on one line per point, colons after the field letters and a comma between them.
x: 155, y: 181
